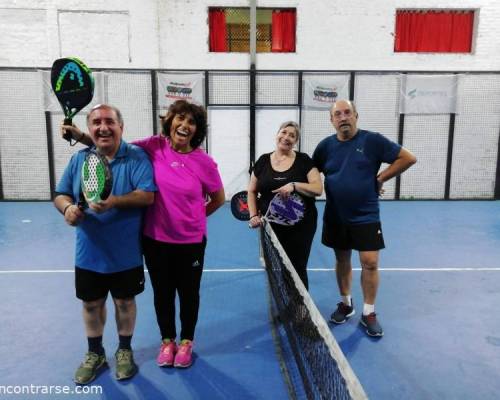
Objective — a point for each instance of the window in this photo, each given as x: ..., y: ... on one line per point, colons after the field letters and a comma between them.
x: 436, y: 31
x: 229, y: 30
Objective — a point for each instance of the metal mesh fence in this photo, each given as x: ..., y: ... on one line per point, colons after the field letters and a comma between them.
x: 427, y: 137
x: 316, y: 122
x: 131, y: 93
x: 274, y: 88
x: 476, y: 137
x: 24, y: 142
x: 377, y: 103
x: 229, y: 88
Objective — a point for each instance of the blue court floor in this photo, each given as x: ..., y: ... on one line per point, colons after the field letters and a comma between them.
x: 438, y: 303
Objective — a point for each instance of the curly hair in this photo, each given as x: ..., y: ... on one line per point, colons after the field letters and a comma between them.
x: 200, y: 117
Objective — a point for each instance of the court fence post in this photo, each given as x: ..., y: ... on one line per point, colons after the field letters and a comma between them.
x: 496, y: 195
x: 50, y: 150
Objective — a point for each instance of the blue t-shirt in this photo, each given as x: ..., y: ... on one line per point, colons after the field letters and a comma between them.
x: 110, y: 241
x: 350, y: 168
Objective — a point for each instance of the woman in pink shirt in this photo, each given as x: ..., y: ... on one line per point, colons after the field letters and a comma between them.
x: 175, y: 226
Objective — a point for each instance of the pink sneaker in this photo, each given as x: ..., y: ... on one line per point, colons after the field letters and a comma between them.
x: 167, y: 352
x: 183, y: 358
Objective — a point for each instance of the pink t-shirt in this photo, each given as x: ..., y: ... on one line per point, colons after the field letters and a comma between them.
x: 183, y: 180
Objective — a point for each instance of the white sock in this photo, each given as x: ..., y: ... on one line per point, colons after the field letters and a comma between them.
x: 368, y: 309
x: 347, y: 300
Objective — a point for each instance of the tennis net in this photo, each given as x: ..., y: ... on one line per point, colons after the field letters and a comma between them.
x: 312, y: 361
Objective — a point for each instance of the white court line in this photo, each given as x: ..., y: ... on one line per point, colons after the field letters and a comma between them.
x: 398, y: 269
x: 56, y: 271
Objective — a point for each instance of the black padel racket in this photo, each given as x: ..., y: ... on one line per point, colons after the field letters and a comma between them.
x: 96, y: 178
x: 73, y: 85
x: 239, y: 206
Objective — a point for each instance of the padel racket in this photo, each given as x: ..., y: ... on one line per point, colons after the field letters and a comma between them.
x: 73, y: 85
x: 96, y: 178
x: 239, y: 206
x: 280, y: 211
x: 285, y: 212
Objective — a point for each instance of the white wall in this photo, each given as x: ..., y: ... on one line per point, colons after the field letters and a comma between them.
x: 105, y: 34
x: 331, y: 34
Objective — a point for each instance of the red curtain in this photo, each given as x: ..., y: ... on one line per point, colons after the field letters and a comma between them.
x: 217, y: 29
x: 283, y: 31
x: 462, y: 29
x: 434, y: 31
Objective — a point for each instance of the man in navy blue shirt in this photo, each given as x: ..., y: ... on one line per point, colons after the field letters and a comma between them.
x: 350, y: 161
x: 108, y: 255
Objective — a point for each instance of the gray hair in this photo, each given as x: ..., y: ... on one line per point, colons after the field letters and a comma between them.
x: 109, y: 107
x: 293, y: 124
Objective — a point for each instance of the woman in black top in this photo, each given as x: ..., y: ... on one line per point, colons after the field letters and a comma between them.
x: 285, y: 171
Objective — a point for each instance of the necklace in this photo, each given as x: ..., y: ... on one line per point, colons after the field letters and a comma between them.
x: 280, y: 160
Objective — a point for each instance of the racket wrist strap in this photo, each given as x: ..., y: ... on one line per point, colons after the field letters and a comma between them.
x: 73, y: 141
x: 66, y: 208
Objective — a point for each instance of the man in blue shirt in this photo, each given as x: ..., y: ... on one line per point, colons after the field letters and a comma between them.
x: 350, y: 161
x: 108, y: 253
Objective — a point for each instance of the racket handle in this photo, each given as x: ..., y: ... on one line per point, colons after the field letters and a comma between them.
x: 67, y: 135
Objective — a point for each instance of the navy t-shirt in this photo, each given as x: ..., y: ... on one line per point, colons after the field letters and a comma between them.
x: 350, y: 168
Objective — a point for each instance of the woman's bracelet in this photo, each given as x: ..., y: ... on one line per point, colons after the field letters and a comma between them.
x: 253, y: 216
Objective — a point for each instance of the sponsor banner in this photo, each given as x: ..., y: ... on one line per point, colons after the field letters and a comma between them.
x: 172, y: 87
x: 323, y: 94
x: 428, y: 94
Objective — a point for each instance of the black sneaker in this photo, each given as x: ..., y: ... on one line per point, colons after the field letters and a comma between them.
x: 342, y: 313
x: 371, y: 324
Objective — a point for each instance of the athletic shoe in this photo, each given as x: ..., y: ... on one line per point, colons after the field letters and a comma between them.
x: 88, y: 369
x: 167, y: 352
x: 371, y: 324
x: 342, y: 313
x: 183, y: 358
x: 125, y: 366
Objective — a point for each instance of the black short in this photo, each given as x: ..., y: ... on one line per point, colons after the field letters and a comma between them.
x: 363, y: 237
x: 92, y: 285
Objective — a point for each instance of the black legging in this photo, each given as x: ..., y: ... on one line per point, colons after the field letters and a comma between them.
x: 175, y: 268
x: 297, y: 241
